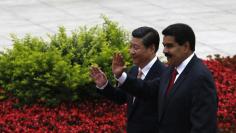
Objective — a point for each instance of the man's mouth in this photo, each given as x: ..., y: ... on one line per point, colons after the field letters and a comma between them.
x: 133, y: 57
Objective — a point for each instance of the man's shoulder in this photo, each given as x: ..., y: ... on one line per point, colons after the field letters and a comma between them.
x: 133, y: 69
x: 200, y: 69
x: 161, y: 65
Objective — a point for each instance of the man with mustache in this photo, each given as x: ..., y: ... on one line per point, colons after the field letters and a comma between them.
x: 187, y: 97
x: 142, y: 112
x: 186, y: 92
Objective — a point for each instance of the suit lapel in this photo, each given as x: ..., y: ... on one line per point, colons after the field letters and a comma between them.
x: 164, y: 101
x: 182, y: 76
x: 164, y: 83
x: 153, y: 72
x: 167, y: 99
x: 134, y: 73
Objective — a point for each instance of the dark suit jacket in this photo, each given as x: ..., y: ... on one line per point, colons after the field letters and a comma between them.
x: 142, y: 115
x: 191, y: 105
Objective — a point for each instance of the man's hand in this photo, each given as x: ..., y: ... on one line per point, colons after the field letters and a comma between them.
x: 118, y: 65
x: 98, y: 76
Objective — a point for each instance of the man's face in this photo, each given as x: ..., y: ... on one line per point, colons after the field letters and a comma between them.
x: 139, y: 53
x: 174, y: 52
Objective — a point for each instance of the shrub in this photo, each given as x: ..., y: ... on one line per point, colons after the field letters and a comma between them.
x: 56, y: 70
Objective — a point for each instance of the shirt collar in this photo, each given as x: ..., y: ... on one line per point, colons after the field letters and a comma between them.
x: 148, y: 66
x: 182, y: 66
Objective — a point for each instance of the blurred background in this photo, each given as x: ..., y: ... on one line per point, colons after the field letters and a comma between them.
x: 212, y: 20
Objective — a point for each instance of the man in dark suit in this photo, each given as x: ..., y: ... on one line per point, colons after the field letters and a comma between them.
x: 187, y: 97
x: 142, y: 112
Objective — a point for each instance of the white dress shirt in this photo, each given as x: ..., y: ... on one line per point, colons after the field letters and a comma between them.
x: 183, y: 65
x: 180, y: 69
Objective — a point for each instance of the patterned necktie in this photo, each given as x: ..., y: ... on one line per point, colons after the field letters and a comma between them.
x: 140, y: 73
x: 171, y: 82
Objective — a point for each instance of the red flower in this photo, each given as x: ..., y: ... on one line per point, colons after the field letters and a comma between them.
x: 105, y: 116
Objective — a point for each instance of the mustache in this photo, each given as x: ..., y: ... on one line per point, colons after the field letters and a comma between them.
x: 168, y: 55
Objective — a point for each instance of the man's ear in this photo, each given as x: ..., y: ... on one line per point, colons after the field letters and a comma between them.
x: 152, y: 47
x: 187, y: 46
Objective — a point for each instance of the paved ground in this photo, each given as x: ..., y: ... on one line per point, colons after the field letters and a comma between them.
x: 214, y: 21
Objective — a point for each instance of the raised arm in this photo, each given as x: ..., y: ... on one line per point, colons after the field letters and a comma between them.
x: 98, y: 76
x: 112, y: 93
x: 118, y: 65
x: 134, y: 86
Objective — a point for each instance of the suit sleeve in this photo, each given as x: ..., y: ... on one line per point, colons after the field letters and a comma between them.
x: 114, y: 94
x: 141, y: 88
x: 204, y: 106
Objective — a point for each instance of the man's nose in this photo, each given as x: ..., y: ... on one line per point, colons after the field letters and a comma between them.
x: 132, y: 51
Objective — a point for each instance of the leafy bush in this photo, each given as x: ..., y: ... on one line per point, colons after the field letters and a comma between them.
x: 56, y: 70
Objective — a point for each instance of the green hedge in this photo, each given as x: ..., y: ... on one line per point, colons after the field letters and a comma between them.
x: 35, y: 70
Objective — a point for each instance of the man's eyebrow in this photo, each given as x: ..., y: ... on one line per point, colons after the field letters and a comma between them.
x: 167, y: 43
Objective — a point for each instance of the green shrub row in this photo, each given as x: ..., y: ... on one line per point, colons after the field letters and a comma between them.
x: 35, y: 70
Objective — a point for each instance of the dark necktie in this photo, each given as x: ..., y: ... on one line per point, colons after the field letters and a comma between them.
x: 171, y: 82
